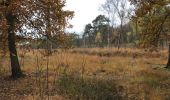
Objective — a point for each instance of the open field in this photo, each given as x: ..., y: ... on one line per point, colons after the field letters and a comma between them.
x: 88, y: 74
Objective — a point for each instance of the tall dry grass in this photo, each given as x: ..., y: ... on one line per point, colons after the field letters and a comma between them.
x: 84, y: 76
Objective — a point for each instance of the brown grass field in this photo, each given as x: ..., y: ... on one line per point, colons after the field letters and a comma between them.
x: 88, y: 74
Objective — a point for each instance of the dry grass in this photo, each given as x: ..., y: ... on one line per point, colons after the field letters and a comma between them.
x: 112, y: 52
x: 91, y: 76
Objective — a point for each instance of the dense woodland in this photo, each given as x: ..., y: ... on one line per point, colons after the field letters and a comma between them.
x: 123, y: 54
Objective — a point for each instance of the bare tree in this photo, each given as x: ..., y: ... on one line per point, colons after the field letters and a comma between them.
x: 107, y: 8
x: 117, y: 10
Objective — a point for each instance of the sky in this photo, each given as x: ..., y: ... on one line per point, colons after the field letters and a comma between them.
x: 85, y: 12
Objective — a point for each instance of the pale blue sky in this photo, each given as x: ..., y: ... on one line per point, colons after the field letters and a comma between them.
x: 85, y: 12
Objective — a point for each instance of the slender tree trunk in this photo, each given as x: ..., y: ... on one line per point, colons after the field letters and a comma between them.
x: 108, y: 36
x: 118, y: 42
x: 84, y: 42
x: 120, y: 36
x: 122, y: 41
x: 168, y: 63
x: 15, y: 66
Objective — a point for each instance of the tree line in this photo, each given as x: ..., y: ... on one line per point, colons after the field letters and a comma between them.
x: 145, y: 24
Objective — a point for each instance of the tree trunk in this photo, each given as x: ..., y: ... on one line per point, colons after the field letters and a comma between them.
x: 118, y: 42
x: 15, y: 66
x: 168, y: 64
x: 108, y: 36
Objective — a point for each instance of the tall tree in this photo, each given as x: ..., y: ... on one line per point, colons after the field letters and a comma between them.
x: 111, y: 13
x: 42, y: 17
x: 153, y: 16
x: 117, y: 9
x: 8, y: 19
x: 101, y: 25
x: 89, y: 35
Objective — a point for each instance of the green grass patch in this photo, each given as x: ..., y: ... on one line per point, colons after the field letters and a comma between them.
x: 88, y: 89
x: 148, y: 80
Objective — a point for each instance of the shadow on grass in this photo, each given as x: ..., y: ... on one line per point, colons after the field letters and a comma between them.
x: 89, y: 88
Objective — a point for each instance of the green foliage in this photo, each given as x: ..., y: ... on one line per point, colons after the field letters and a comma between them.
x: 99, y: 25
